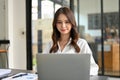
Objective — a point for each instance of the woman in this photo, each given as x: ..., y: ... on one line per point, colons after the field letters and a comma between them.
x: 65, y: 38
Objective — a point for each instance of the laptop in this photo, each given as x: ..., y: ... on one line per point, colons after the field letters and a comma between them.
x: 63, y: 66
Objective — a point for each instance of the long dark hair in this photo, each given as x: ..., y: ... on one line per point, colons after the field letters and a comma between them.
x: 56, y: 34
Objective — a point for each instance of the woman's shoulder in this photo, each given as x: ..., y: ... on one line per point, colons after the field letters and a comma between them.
x: 81, y: 40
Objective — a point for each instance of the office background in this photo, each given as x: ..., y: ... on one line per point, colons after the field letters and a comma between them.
x: 23, y: 25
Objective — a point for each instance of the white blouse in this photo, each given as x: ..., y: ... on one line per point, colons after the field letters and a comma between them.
x: 84, y: 49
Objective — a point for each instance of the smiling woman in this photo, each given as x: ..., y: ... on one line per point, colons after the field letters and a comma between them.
x: 65, y: 38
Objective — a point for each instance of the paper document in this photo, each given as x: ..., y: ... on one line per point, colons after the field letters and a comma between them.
x: 22, y: 76
x: 4, y: 72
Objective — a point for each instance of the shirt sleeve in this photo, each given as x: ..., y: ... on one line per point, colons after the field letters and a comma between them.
x: 85, y: 49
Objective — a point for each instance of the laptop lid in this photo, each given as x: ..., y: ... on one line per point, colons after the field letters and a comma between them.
x: 63, y: 66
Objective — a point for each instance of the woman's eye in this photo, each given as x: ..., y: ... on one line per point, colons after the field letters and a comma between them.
x: 67, y: 22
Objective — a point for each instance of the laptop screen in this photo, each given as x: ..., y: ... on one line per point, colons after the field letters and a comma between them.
x: 63, y: 66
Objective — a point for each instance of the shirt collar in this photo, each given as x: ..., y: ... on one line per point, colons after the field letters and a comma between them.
x: 67, y: 43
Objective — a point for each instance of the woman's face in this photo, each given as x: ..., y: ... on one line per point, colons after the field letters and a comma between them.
x: 63, y: 25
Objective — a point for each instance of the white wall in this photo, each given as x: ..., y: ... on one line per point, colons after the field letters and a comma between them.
x: 17, y: 24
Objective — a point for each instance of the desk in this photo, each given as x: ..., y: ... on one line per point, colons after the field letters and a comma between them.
x: 15, y: 71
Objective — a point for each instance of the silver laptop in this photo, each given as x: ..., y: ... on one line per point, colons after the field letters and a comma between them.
x: 63, y: 66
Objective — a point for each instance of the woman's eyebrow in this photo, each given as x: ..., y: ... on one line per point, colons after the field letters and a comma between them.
x: 62, y: 20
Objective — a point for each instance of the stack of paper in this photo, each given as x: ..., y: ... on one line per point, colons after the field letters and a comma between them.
x: 22, y: 76
x: 4, y: 72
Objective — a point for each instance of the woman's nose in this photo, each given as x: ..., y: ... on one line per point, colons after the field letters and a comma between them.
x: 63, y: 24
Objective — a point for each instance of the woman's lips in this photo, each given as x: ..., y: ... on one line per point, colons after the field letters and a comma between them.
x: 63, y: 30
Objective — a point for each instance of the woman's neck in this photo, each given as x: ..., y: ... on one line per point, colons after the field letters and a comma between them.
x: 64, y: 38
x: 63, y: 41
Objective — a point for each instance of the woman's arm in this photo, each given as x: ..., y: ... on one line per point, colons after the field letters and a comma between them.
x: 85, y: 49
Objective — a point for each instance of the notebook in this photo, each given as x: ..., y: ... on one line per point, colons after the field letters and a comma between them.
x: 4, y: 72
x: 63, y: 66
